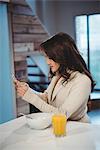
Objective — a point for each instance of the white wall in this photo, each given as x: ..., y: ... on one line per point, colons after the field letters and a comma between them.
x: 58, y: 15
x: 68, y: 10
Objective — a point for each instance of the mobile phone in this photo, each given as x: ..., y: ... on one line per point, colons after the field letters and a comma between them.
x: 14, y: 78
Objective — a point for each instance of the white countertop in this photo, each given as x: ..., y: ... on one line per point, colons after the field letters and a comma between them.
x: 16, y: 135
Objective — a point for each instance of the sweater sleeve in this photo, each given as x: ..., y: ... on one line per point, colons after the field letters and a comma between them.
x: 78, y: 97
x: 38, y: 101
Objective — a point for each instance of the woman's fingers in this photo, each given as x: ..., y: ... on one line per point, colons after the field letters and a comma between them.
x: 21, y: 91
x: 16, y: 82
x: 21, y: 87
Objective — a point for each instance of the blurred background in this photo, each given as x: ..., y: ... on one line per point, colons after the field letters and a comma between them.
x: 24, y: 25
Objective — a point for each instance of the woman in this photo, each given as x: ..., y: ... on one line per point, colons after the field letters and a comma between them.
x: 71, y: 82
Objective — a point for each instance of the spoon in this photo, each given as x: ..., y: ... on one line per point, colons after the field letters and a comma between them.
x: 26, y: 115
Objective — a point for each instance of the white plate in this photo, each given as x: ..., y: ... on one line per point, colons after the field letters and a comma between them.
x: 39, y: 120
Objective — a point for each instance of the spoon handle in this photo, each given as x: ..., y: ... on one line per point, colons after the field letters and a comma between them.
x: 26, y: 115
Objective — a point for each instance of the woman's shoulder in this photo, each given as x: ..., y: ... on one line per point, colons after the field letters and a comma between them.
x: 81, y: 77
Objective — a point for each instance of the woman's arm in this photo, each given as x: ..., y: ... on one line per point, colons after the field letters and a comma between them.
x: 78, y: 96
x: 23, y: 87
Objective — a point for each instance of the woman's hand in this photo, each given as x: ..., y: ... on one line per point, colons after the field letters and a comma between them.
x: 21, y: 87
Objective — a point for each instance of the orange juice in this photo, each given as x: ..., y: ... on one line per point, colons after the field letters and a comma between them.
x: 59, y: 124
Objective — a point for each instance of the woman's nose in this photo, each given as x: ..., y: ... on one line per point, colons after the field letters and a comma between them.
x: 48, y: 61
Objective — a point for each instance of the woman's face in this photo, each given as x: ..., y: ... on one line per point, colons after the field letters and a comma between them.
x: 53, y: 65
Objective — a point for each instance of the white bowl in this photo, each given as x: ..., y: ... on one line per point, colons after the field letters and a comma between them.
x: 39, y: 120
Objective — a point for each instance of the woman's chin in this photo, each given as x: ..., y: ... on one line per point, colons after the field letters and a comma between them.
x: 53, y: 71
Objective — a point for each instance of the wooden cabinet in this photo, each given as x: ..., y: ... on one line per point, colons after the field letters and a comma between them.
x: 20, y: 64
x: 21, y: 70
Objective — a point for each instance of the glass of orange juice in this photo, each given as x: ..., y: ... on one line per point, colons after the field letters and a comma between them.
x: 59, y: 124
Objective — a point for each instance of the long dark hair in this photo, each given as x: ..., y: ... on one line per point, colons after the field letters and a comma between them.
x: 62, y: 49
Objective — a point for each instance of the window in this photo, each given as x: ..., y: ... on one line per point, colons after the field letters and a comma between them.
x: 81, y: 36
x: 88, y: 42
